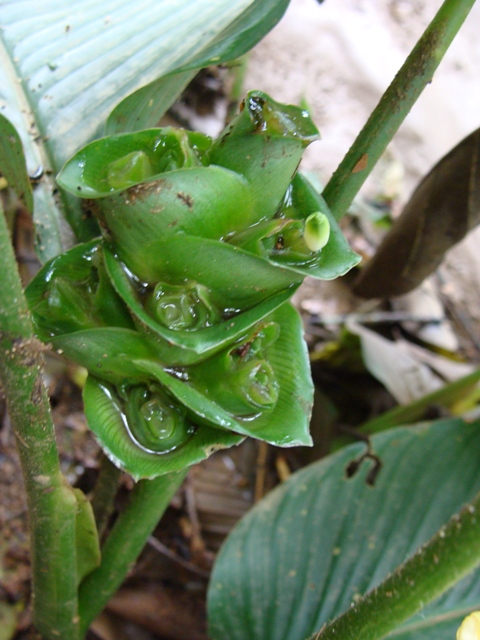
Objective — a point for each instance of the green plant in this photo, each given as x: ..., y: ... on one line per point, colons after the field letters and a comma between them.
x: 180, y: 314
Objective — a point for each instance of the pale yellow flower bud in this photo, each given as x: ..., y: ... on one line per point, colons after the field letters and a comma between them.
x: 470, y: 627
x: 317, y: 231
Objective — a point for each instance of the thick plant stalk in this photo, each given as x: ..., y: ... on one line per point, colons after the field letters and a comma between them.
x: 51, y: 503
x: 446, y: 558
x: 396, y: 102
x: 148, y: 502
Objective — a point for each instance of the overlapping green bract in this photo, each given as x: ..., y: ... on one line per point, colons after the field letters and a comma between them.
x: 180, y: 311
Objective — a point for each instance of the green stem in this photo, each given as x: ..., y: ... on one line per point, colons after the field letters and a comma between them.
x: 148, y: 502
x: 104, y: 494
x: 396, y: 102
x: 52, y: 505
x: 449, y: 556
x: 238, y: 72
x: 412, y: 412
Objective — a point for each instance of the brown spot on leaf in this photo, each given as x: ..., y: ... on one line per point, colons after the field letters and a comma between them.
x: 185, y: 198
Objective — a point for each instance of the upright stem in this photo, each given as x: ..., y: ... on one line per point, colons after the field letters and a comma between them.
x: 446, y: 558
x: 104, y: 494
x: 51, y: 503
x: 416, y: 72
x: 148, y: 502
x: 238, y: 72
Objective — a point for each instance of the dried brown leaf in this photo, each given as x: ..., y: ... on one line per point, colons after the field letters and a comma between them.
x: 442, y: 210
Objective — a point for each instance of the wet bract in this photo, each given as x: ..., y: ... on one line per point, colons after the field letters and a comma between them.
x: 180, y: 311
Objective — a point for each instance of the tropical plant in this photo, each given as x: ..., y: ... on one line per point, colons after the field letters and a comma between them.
x: 176, y: 301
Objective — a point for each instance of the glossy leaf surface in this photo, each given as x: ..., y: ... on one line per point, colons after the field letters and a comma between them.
x: 107, y: 421
x: 88, y: 174
x: 319, y: 540
x: 187, y: 347
x: 264, y: 143
x: 336, y: 258
x: 72, y: 292
x: 207, y: 202
x: 286, y: 424
x: 108, y: 352
x: 212, y: 263
x: 114, y: 355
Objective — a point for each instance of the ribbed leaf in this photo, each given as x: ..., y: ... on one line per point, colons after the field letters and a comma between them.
x: 141, y: 109
x: 64, y: 67
x: 108, y: 423
x: 310, y: 547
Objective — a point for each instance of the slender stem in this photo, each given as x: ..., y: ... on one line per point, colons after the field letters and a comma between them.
x: 446, y: 558
x: 51, y: 503
x: 238, y: 72
x: 148, y: 502
x: 401, y: 95
x: 412, y: 412
x: 104, y: 494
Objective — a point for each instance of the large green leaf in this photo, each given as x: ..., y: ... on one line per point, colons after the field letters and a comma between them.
x: 138, y: 110
x: 65, y: 65
x: 141, y: 109
x: 304, y: 554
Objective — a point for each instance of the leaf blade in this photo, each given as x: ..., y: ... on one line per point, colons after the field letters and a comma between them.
x: 350, y: 535
x: 63, y: 68
x: 137, y: 110
x: 12, y: 162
